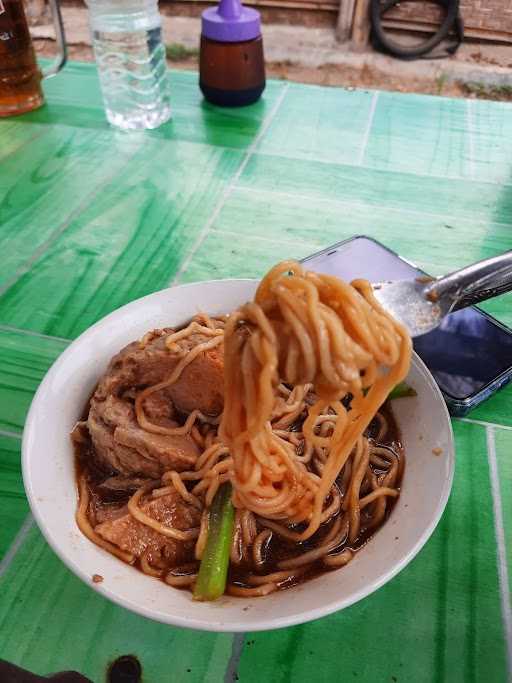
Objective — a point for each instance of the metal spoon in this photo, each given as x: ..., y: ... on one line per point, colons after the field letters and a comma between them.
x: 422, y: 303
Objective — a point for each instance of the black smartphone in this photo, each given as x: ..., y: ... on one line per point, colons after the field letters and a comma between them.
x: 469, y: 354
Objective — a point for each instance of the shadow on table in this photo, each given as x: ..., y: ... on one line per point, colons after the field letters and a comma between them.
x: 9, y: 673
x: 201, y: 122
x: 229, y: 127
x: 68, y: 115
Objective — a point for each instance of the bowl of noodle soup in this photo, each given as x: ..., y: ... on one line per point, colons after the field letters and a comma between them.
x: 50, y: 479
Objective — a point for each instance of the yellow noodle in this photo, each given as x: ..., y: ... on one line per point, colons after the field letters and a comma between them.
x: 249, y: 530
x: 181, y: 489
x: 382, y: 491
x: 142, y: 517
x: 276, y: 577
x: 257, y: 592
x: 336, y: 337
x: 263, y: 538
x: 180, y: 581
x: 383, y: 426
x: 147, y: 568
x: 340, y: 559
x: 203, y: 535
x: 353, y: 506
x: 236, y: 553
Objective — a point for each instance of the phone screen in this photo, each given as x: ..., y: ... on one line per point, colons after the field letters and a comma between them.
x: 466, y: 352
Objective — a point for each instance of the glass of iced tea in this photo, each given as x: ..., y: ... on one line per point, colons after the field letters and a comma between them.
x: 20, y: 76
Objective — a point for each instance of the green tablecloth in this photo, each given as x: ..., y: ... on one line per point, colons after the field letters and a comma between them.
x: 91, y: 218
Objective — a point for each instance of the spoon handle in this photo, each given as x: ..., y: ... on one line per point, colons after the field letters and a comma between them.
x: 481, y: 281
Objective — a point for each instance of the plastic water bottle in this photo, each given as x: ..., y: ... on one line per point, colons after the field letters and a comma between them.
x: 127, y: 41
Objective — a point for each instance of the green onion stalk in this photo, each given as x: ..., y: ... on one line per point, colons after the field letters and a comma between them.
x: 213, y: 570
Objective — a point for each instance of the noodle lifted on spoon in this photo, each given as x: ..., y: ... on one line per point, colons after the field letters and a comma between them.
x: 305, y: 328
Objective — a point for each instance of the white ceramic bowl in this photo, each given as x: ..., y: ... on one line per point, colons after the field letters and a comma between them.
x: 49, y: 477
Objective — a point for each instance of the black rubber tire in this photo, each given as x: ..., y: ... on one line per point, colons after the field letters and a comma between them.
x: 377, y: 11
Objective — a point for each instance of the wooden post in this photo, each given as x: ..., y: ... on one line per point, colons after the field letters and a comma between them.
x: 345, y: 19
x: 37, y: 12
x: 361, y: 27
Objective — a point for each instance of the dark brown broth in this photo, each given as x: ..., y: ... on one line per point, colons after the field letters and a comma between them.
x: 278, y: 549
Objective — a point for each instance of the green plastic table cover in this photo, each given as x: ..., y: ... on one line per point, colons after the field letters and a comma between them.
x: 91, y: 218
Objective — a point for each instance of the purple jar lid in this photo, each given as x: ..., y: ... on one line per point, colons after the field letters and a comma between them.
x: 230, y: 22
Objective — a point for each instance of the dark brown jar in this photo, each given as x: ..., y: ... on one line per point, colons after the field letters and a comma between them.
x: 231, y: 62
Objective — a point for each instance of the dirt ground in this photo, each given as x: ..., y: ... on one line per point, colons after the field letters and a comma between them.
x: 327, y: 74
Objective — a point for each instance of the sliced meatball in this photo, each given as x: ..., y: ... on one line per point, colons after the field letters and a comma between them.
x: 122, y: 446
x: 140, y: 364
x: 201, y: 384
x: 119, y: 484
x: 149, y: 362
x: 159, y: 409
x: 134, y: 537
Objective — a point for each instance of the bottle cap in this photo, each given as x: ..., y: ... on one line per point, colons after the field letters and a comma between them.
x: 230, y: 22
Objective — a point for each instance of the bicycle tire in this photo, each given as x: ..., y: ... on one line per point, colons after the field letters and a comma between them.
x: 378, y: 10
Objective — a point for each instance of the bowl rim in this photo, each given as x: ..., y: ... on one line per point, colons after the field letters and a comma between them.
x: 270, y: 622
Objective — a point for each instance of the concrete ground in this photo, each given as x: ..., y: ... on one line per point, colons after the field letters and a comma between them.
x: 312, y: 55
